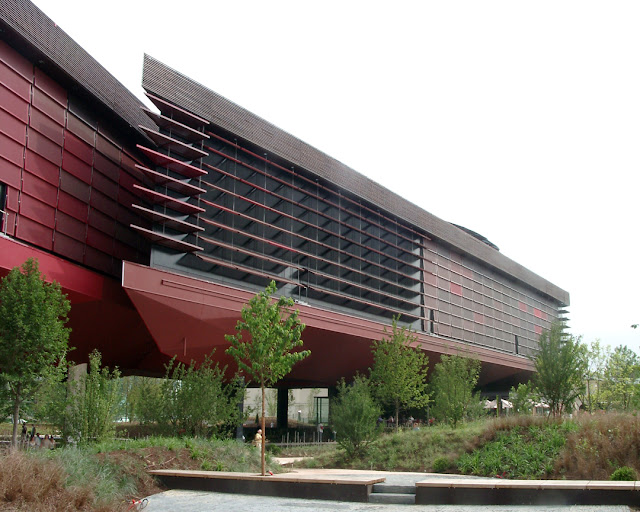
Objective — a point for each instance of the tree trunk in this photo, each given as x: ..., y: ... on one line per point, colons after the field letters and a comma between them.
x: 264, y: 433
x: 16, y: 417
x: 397, y: 417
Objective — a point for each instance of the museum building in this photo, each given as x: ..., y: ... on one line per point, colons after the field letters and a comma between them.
x: 162, y: 222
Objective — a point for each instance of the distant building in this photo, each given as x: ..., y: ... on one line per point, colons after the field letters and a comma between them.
x: 161, y: 224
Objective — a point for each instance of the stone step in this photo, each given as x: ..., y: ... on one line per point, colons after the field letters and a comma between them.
x: 392, y: 498
x: 394, y: 489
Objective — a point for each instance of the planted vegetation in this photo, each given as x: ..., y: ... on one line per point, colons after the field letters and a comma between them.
x: 102, y: 476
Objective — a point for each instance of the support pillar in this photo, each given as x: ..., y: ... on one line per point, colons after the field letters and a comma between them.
x: 283, y: 408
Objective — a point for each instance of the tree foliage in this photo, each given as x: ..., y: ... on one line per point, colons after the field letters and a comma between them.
x: 560, y: 366
x: 274, y: 331
x: 399, y: 372
x: 354, y: 415
x: 597, y: 358
x: 453, y: 381
x: 522, y: 398
x: 93, y: 403
x: 196, y: 401
x: 620, y: 388
x: 33, y: 336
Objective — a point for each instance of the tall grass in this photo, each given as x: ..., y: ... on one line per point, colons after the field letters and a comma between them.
x: 604, y: 443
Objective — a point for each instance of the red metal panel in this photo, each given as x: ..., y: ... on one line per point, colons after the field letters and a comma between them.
x: 478, y: 318
x: 124, y: 252
x: 127, y: 182
x: 455, y: 289
x: 127, y: 199
x: 50, y: 107
x: 80, y: 129
x: 34, y: 232
x: 72, y: 206
x: 10, y: 150
x: 46, y: 126
x: 14, y: 81
x: 126, y: 216
x: 79, y: 148
x: 128, y: 163
x: 13, y: 128
x: 16, y: 61
x: 76, y: 167
x: 9, y: 173
x: 13, y: 104
x: 104, y: 184
x: 102, y: 222
x: 51, y: 87
x: 42, y: 168
x: 44, y: 147
x: 522, y: 306
x: 107, y: 149
x: 97, y: 259
x: 9, y: 223
x: 68, y: 247
x: 36, y: 187
x: 37, y: 210
x: 106, y: 167
x: 538, y: 329
x: 13, y: 202
x: 99, y: 240
x: 103, y: 203
x: 70, y: 227
x: 74, y: 186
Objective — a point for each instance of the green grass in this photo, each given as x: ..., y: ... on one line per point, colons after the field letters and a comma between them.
x: 521, y: 452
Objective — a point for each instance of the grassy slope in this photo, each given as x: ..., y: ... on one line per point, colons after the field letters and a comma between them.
x: 101, y: 477
x: 591, y: 447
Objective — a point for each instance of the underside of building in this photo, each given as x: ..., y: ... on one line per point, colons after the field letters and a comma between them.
x: 161, y: 223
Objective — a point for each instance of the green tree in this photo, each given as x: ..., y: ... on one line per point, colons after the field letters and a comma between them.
x: 33, y: 336
x: 522, y: 398
x: 597, y: 359
x: 268, y: 356
x: 146, y: 400
x: 94, y: 403
x: 196, y: 400
x: 620, y: 381
x: 399, y: 372
x: 560, y: 366
x: 354, y: 415
x: 453, y: 381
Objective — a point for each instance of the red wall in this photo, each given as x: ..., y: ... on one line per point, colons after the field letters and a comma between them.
x: 70, y: 186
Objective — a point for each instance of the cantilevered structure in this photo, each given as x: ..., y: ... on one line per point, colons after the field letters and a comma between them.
x: 161, y: 224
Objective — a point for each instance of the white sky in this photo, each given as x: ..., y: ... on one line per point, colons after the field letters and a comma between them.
x: 519, y: 120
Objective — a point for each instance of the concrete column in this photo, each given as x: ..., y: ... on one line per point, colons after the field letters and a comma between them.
x: 283, y: 408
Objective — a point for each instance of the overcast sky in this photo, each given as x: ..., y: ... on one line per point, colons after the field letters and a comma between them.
x: 518, y: 120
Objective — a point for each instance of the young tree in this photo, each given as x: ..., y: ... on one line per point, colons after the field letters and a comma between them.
x: 620, y: 380
x: 597, y: 359
x: 354, y: 415
x: 197, y: 401
x: 94, y: 402
x: 268, y: 356
x: 33, y: 336
x: 453, y: 381
x: 522, y: 398
x: 399, y: 373
x: 560, y: 368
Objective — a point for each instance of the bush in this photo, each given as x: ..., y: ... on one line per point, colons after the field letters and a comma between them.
x: 625, y: 473
x: 354, y: 415
x: 441, y: 464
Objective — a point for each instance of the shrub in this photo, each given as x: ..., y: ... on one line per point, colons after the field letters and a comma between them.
x: 624, y: 473
x: 441, y: 464
x: 354, y: 414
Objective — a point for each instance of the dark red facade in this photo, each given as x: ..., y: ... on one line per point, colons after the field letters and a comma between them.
x: 160, y: 226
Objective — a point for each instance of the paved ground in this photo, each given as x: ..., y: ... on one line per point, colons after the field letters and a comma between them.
x: 198, y: 501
